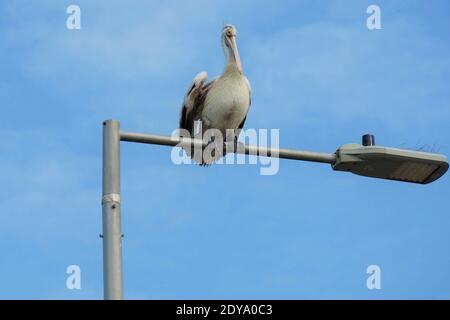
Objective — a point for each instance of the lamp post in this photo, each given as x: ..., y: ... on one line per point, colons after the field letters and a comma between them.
x: 112, y: 234
x: 365, y: 159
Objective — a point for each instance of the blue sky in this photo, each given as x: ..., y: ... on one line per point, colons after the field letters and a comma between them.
x: 317, y: 73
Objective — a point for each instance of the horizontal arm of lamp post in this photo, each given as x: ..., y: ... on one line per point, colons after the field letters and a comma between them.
x: 247, y: 149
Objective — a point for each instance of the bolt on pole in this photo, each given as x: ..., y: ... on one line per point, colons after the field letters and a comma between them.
x: 112, y: 234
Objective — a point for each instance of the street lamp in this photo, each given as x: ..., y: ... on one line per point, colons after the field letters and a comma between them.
x: 365, y: 159
x: 390, y: 163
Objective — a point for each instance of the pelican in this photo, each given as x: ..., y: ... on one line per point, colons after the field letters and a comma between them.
x: 221, y: 104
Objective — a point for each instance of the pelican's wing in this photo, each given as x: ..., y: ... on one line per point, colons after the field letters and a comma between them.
x: 193, y: 105
x: 241, y: 125
x: 194, y: 101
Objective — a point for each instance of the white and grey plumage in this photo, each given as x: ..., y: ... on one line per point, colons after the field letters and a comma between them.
x: 222, y: 103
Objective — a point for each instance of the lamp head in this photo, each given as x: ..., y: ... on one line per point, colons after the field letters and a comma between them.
x: 390, y: 163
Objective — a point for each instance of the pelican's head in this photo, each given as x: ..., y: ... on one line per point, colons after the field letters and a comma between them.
x: 229, y: 45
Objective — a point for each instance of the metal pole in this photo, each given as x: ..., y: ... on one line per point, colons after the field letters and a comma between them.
x: 112, y: 234
x: 245, y: 149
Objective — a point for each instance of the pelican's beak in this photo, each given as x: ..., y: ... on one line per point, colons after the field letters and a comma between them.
x: 237, y: 59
